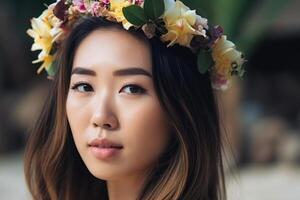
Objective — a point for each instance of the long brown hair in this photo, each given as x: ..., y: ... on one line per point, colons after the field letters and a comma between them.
x: 191, y: 167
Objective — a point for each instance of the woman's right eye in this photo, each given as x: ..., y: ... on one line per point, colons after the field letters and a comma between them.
x: 82, y: 87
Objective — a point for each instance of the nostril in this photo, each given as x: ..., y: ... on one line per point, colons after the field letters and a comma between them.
x: 95, y: 125
x: 106, y: 126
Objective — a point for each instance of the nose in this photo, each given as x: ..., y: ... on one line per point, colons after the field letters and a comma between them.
x: 104, y: 120
x: 104, y: 116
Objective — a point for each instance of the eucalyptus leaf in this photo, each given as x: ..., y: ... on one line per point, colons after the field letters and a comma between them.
x: 135, y: 15
x: 154, y: 8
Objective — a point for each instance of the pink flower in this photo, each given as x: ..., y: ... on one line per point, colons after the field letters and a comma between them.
x: 219, y: 82
x: 139, y: 2
x: 79, y: 5
x: 96, y: 8
x: 105, y: 1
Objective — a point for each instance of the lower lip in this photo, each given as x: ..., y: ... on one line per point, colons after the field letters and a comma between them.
x: 104, y: 153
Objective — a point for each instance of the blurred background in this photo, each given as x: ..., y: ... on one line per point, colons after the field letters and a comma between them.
x: 261, y: 114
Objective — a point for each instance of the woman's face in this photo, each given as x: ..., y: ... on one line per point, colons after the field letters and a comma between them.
x: 112, y: 97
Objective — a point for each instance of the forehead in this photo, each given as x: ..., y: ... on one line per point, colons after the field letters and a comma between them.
x: 109, y: 49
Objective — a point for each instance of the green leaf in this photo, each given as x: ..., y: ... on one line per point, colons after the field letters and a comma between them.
x: 154, y: 8
x: 204, y: 61
x: 135, y: 15
x: 252, y: 32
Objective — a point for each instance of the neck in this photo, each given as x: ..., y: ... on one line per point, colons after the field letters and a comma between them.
x: 125, y: 188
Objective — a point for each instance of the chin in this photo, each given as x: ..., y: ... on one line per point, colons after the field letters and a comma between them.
x: 104, y: 171
x: 105, y: 176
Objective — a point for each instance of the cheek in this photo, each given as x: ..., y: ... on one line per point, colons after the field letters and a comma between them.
x: 78, y: 115
x: 146, y: 132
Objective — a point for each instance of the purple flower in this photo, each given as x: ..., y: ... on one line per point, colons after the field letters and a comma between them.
x: 215, y: 33
x: 60, y: 10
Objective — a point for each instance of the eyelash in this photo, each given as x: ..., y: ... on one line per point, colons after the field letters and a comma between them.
x: 75, y: 87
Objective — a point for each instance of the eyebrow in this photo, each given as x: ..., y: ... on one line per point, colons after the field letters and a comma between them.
x: 120, y: 72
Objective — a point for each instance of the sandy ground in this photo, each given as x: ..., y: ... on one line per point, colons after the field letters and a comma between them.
x: 12, y: 181
x: 253, y: 183
x: 265, y: 183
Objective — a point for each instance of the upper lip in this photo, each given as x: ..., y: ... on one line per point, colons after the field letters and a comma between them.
x: 104, y: 143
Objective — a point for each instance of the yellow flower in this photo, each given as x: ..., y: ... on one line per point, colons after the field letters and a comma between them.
x: 46, y: 59
x: 116, y: 12
x: 41, y: 33
x: 45, y: 30
x: 226, y: 57
x: 180, y: 22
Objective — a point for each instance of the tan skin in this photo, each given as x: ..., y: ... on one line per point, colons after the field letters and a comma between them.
x: 100, y: 105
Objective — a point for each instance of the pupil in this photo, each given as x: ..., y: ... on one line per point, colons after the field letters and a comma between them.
x: 86, y: 88
x: 133, y: 89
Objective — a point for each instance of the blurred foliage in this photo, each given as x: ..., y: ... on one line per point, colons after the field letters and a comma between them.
x: 15, y: 44
x: 244, y: 21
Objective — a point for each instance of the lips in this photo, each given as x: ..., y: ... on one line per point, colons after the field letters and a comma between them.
x: 105, y: 143
x: 104, y: 149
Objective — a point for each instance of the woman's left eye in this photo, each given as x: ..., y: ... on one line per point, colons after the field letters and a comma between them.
x: 134, y: 89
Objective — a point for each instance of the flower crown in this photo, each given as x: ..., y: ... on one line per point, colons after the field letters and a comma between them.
x: 170, y: 20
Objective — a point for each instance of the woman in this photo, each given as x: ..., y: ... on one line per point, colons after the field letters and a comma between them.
x: 128, y: 117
